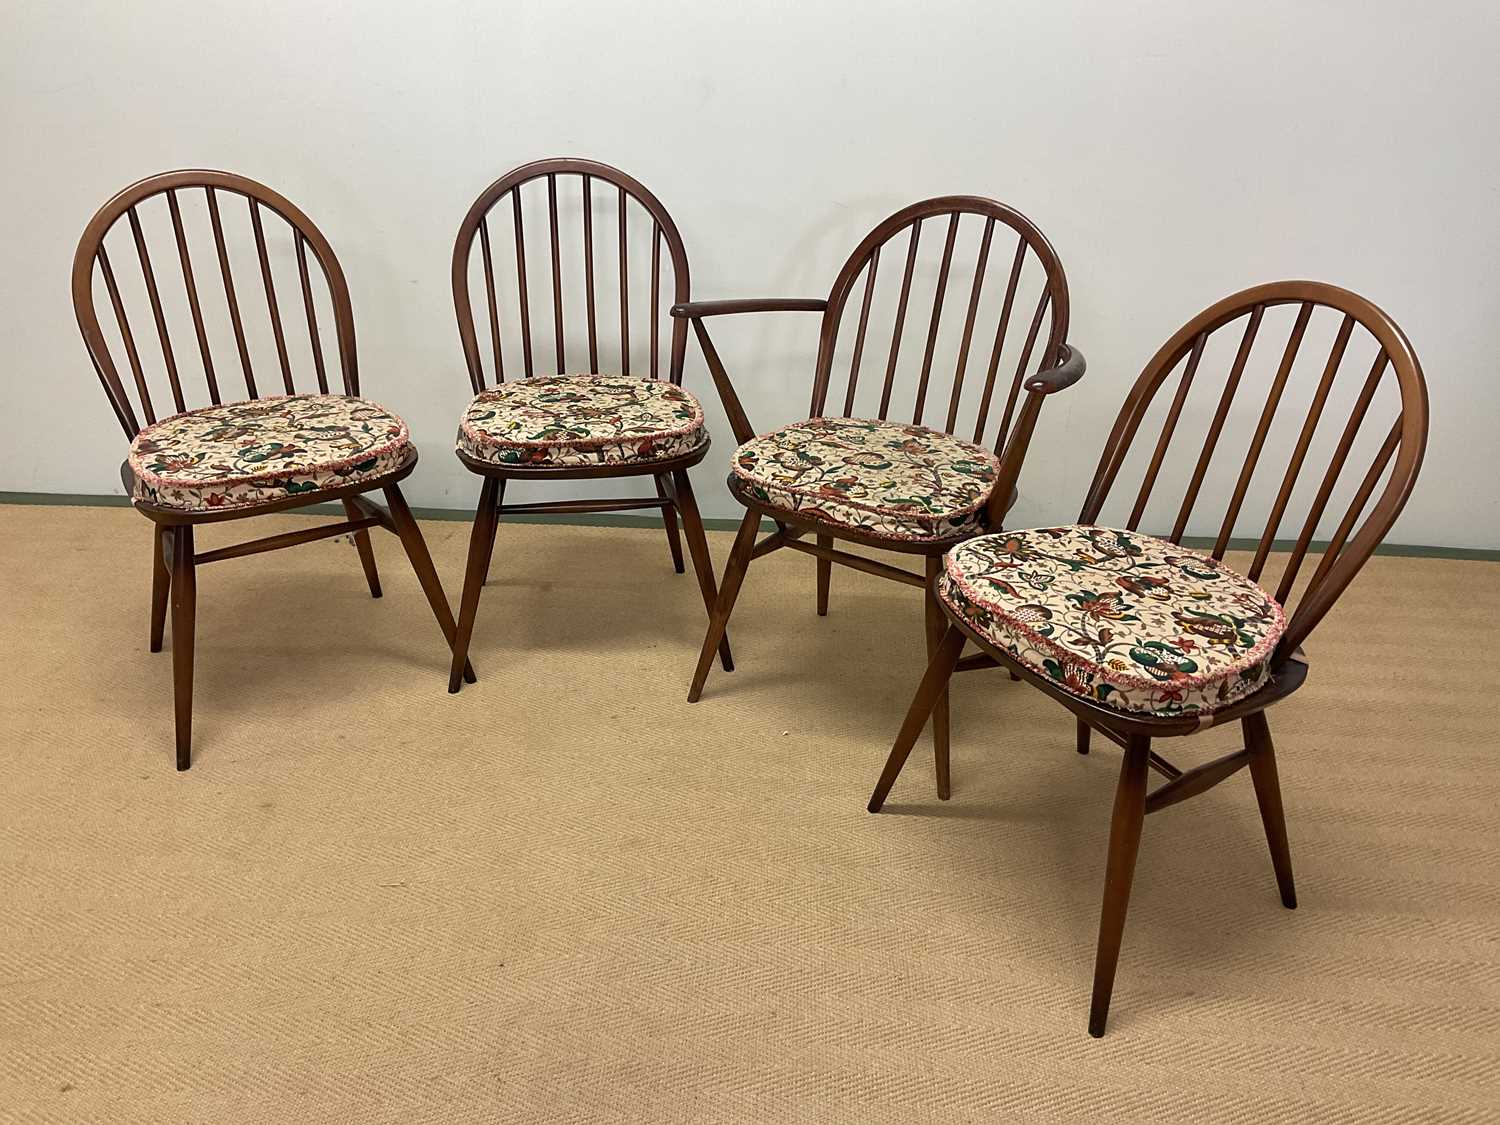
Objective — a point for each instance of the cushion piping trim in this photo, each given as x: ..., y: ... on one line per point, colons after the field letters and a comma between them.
x: 146, y: 476
x: 1257, y: 655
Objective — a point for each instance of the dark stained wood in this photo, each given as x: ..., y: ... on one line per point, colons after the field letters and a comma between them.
x: 190, y: 284
x: 230, y: 299
x: 692, y: 521
x: 937, y: 626
x: 271, y: 305
x: 1119, y: 874
x: 1396, y: 463
x: 1268, y: 797
x: 825, y: 573
x: 174, y: 560
x: 365, y: 548
x: 286, y: 539
x: 161, y: 581
x: 673, y: 497
x: 1197, y: 780
x: 934, y: 682
x: 669, y: 518
x: 184, y: 616
x: 481, y: 546
x: 312, y: 314
x: 729, y: 590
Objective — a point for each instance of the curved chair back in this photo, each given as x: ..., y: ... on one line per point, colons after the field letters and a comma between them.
x: 1001, y: 336
x: 577, y: 187
x: 171, y: 201
x: 1355, y: 325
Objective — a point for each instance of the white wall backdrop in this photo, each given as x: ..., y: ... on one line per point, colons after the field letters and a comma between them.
x: 1173, y: 152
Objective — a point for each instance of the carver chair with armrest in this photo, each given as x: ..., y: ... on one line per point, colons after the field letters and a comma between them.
x: 241, y: 455
x: 1143, y: 639
x: 576, y: 421
x: 910, y: 487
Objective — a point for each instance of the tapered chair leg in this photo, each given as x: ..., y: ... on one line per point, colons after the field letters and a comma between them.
x: 1124, y: 843
x: 499, y: 503
x: 184, y: 620
x: 692, y: 523
x: 161, y: 582
x: 1083, y: 737
x: 1268, y: 796
x: 825, y: 575
x: 934, y: 683
x: 669, y: 518
x: 481, y: 548
x: 366, y: 550
x: 421, y: 563
x: 937, y: 625
x: 729, y: 589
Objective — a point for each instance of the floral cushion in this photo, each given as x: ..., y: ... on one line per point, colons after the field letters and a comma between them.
x: 581, y: 420
x: 1133, y: 622
x: 904, y: 482
x: 240, y: 454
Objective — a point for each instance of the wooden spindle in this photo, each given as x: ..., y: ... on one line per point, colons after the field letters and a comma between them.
x: 557, y: 301
x: 890, y: 367
x: 588, y: 269
x: 312, y: 312
x: 126, y: 336
x: 655, y: 305
x: 515, y: 203
x: 624, y: 292
x: 1021, y: 365
x: 1357, y: 505
x: 937, y: 313
x: 1000, y: 331
x: 859, y: 338
x: 493, y: 305
x: 1236, y: 370
x: 270, y: 284
x: 1167, y: 429
x: 1330, y: 478
x: 1299, y: 453
x: 1273, y: 399
x: 192, y: 295
x: 963, y: 347
x: 229, y: 295
x: 149, y: 276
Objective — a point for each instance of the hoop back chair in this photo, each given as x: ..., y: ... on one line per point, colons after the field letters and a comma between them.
x: 562, y: 420
x: 824, y: 477
x: 1142, y: 639
x: 271, y: 448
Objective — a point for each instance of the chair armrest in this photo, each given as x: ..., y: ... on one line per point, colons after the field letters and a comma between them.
x: 1061, y: 377
x: 692, y: 310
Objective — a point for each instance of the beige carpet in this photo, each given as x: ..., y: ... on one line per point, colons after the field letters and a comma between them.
x: 567, y: 895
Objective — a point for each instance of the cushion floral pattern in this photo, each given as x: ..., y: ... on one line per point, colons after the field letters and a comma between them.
x: 240, y: 454
x: 1121, y: 618
x: 905, y: 482
x: 557, y: 420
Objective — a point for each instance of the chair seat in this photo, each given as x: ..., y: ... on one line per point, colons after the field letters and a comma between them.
x: 580, y: 420
x: 243, y: 454
x: 893, y: 480
x: 1123, y: 619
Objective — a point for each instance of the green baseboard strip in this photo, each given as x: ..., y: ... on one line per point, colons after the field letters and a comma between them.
x: 57, y: 499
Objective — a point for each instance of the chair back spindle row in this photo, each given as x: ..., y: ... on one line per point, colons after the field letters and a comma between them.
x: 474, y: 258
x: 135, y: 405
x: 1396, y: 460
x: 933, y: 403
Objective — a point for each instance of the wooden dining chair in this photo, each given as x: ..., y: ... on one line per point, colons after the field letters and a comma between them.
x: 1144, y: 639
x: 269, y: 449
x: 576, y: 421
x: 865, y: 477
